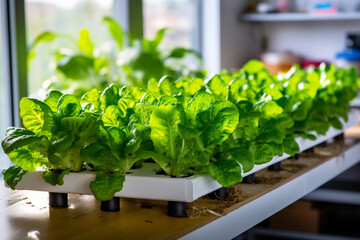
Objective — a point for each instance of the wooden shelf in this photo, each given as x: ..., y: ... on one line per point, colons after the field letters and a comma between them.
x: 278, y: 198
x: 299, y: 17
x: 27, y: 212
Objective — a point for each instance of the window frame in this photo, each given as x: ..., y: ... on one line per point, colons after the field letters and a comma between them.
x: 13, y: 60
x: 14, y: 56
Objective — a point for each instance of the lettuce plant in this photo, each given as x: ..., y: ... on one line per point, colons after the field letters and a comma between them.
x: 273, y: 110
x: 54, y: 133
x: 223, y: 126
x: 131, y: 61
x: 184, y: 138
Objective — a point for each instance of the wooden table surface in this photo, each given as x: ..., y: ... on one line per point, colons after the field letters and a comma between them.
x: 27, y: 215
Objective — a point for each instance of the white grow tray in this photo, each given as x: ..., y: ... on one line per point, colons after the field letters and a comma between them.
x: 145, y: 184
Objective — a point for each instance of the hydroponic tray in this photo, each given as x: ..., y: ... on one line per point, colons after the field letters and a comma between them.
x: 144, y: 183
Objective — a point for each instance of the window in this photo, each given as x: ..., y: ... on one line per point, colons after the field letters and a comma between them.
x: 67, y: 17
x: 4, y: 116
x: 180, y: 15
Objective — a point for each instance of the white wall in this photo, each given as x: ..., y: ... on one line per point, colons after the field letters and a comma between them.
x: 211, y: 37
x: 239, y: 40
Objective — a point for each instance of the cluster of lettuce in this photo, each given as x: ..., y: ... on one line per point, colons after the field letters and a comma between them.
x: 222, y: 126
x: 130, y: 61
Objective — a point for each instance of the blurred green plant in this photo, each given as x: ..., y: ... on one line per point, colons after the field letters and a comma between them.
x: 125, y: 61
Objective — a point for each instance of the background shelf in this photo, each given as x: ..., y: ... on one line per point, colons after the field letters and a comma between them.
x: 299, y: 17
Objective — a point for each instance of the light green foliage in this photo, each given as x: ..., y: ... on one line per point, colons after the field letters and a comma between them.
x: 133, y: 62
x: 42, y: 37
x: 52, y: 99
x: 37, y: 116
x: 68, y: 106
x: 274, y: 110
x: 110, y: 96
x: 90, y: 101
x: 113, y: 117
x: 85, y: 44
x: 115, y: 30
x: 164, y: 122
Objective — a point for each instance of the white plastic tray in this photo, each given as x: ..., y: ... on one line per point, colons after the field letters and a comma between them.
x: 145, y: 184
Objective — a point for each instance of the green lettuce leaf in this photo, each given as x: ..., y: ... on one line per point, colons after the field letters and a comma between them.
x: 218, y: 87
x: 37, y: 116
x: 75, y: 67
x: 52, y: 100
x: 199, y: 103
x: 18, y: 137
x: 113, y: 117
x: 85, y: 44
x: 13, y: 175
x: 243, y: 156
x: 92, y: 97
x: 164, y: 122
x: 69, y: 106
x: 223, y: 118
x: 106, y: 185
x: 55, y: 177
x: 263, y: 153
x: 110, y: 96
x: 225, y: 172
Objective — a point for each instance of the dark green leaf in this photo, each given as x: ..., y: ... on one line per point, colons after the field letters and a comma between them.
x: 55, y: 177
x: 13, y: 175
x: 264, y: 153
x: 225, y: 172
x: 18, y: 137
x: 75, y: 67
x: 101, y: 157
x: 290, y: 146
x: 335, y: 122
x: 106, y: 185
